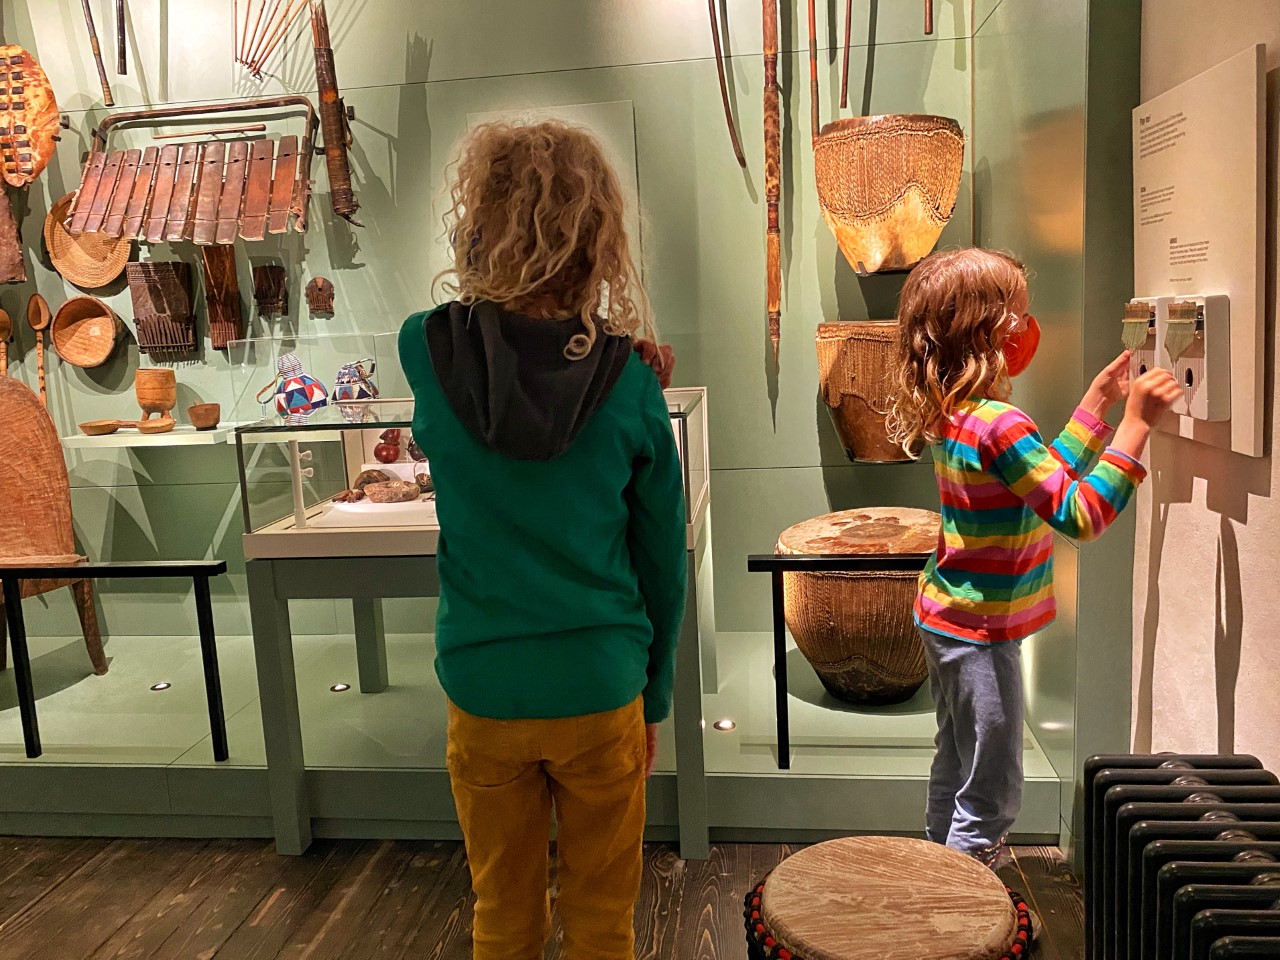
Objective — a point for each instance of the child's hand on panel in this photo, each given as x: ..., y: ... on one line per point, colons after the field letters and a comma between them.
x: 1151, y: 395
x: 1109, y: 387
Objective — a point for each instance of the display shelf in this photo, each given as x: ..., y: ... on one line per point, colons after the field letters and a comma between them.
x: 183, y: 435
x: 285, y: 540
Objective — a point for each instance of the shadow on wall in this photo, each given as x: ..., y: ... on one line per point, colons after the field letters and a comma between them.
x: 1230, y: 481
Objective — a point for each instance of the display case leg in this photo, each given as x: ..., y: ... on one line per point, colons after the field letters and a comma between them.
x: 22, y: 666
x: 278, y: 694
x: 212, y: 675
x: 780, y: 673
x: 691, y: 767
x: 371, y: 644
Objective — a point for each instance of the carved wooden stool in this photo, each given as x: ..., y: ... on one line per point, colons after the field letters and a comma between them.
x: 885, y: 897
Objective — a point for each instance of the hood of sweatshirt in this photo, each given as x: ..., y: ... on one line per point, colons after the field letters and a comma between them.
x: 507, y: 379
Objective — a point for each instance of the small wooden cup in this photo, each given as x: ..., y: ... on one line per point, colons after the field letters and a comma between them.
x: 204, y: 416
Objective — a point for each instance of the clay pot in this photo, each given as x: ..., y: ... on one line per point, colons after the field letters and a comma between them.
x: 156, y: 390
x: 855, y: 362
x: 204, y: 416
x: 887, y: 185
x: 857, y: 629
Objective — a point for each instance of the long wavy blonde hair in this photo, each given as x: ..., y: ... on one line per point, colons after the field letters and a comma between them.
x: 537, y: 223
x: 951, y: 324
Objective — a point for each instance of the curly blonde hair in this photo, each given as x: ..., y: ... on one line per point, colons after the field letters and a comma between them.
x: 950, y: 328
x: 537, y: 224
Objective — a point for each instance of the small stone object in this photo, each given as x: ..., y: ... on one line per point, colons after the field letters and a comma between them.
x: 320, y: 295
x: 349, y: 496
x: 393, y: 491
x: 423, y: 480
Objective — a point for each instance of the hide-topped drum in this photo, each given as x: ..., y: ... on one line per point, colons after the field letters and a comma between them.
x: 891, y: 898
x: 855, y: 362
x: 856, y: 629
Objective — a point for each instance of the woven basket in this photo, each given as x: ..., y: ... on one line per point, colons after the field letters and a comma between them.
x: 85, y: 331
x: 90, y: 260
x: 887, y: 185
x: 857, y: 629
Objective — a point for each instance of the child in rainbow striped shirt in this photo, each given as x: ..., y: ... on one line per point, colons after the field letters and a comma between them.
x: 964, y: 332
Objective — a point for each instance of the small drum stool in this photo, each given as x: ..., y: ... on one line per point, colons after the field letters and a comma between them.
x: 888, y: 898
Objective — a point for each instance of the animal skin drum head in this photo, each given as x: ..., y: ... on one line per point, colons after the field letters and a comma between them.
x: 895, y: 897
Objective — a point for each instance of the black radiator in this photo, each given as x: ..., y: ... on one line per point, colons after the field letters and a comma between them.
x: 1245, y: 948
x: 1182, y: 858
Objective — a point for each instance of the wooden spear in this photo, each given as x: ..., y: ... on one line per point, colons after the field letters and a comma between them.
x: 772, y: 173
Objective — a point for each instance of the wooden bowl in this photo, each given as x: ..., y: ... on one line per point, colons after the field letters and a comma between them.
x: 163, y: 425
x: 85, y: 331
x: 100, y: 428
x: 204, y: 416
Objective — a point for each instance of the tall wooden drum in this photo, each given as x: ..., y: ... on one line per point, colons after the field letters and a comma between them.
x: 855, y: 363
x: 857, y: 629
x: 890, y: 898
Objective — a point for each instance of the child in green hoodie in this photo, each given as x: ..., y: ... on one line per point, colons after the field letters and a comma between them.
x: 562, y: 546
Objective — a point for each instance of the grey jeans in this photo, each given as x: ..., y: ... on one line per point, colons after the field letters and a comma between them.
x: 975, y: 786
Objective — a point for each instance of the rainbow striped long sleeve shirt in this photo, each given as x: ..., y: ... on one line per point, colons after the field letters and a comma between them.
x: 1003, y: 494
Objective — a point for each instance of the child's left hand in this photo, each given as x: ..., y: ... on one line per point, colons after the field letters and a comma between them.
x: 660, y: 357
x: 650, y: 748
x: 1109, y: 387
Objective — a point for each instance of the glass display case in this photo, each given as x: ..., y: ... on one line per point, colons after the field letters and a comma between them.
x: 312, y: 446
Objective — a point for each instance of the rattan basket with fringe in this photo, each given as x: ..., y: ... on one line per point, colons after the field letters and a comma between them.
x: 855, y: 365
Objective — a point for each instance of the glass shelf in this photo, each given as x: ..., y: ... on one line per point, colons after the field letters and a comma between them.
x: 183, y: 435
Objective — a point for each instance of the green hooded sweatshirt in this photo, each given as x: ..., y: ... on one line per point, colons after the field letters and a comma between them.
x: 562, y: 515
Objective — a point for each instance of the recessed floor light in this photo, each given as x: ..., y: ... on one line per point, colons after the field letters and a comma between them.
x: 724, y: 725
x: 162, y: 685
x: 340, y: 688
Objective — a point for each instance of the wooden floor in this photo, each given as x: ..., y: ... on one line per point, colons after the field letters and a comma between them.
x: 65, y: 899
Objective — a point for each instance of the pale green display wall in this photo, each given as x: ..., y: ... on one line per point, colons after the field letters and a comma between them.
x: 1027, y: 79
x: 413, y: 73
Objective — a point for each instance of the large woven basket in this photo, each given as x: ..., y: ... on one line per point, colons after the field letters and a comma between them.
x: 887, y: 185
x: 85, y: 331
x: 857, y: 629
x: 90, y: 260
x: 855, y: 364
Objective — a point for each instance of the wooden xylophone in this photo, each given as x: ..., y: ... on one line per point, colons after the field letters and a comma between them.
x: 210, y: 192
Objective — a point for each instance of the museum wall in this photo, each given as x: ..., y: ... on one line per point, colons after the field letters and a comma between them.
x: 416, y: 75
x: 1206, y: 664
